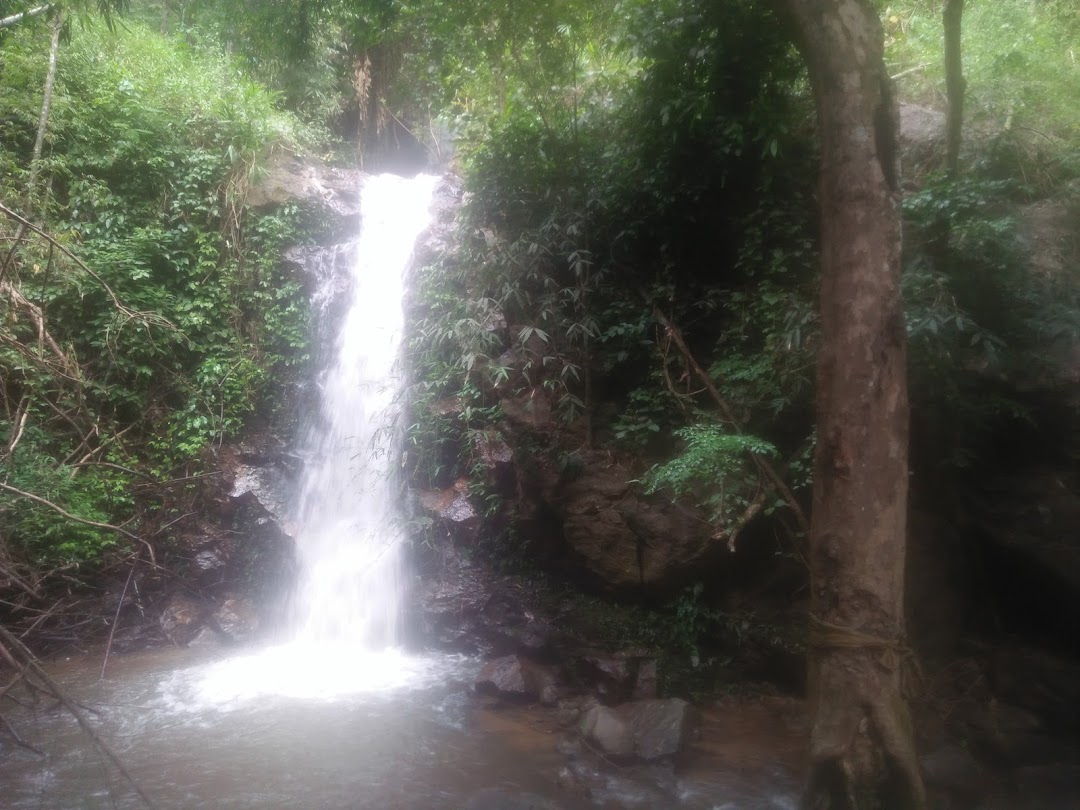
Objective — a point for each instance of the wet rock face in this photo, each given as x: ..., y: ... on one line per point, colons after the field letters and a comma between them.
x: 182, y: 619
x: 236, y: 620
x: 519, y: 678
x: 328, y: 195
x: 464, y: 606
x: 241, y: 554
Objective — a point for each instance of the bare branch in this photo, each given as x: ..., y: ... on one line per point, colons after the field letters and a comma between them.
x: 96, y: 524
x: 116, y: 616
x: 6, y: 22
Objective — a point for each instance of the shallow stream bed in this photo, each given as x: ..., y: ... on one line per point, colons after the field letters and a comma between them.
x: 302, y: 728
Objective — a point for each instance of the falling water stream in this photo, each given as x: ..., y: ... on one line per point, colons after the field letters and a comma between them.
x: 348, y: 606
x: 339, y: 715
x: 352, y: 581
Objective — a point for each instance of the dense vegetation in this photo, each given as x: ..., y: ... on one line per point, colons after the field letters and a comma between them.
x: 146, y: 313
x: 671, y: 165
x: 639, y: 177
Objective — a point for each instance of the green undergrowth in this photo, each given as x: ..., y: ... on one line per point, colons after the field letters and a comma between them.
x: 172, y: 318
x: 1022, y: 65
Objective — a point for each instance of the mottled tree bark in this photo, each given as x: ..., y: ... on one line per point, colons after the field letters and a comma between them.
x: 955, y: 85
x: 862, y: 744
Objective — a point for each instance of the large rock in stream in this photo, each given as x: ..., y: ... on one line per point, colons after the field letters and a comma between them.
x: 519, y: 678
x: 646, y: 729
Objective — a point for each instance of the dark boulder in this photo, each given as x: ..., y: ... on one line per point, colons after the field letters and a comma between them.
x: 518, y: 678
x: 182, y: 619
x: 609, y: 529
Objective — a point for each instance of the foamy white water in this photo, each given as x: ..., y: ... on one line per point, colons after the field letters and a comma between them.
x: 347, y: 616
x: 348, y: 538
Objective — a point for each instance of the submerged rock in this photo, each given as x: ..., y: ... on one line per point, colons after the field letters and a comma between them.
x: 647, y: 729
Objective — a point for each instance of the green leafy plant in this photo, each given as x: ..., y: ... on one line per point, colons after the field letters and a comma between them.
x: 715, y: 469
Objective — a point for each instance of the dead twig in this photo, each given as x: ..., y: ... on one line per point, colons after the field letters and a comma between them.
x: 74, y: 708
x: 116, y: 616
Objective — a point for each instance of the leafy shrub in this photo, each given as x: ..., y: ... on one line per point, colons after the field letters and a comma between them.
x: 179, y: 312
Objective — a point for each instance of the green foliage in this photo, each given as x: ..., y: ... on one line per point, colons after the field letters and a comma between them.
x: 1022, y: 71
x: 646, y: 154
x: 45, y: 537
x: 715, y: 469
x: 150, y: 149
x: 978, y: 317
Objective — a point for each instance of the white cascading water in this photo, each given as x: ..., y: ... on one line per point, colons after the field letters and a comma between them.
x: 351, y: 582
x: 348, y: 604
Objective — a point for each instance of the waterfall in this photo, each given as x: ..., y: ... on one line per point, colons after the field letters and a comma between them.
x: 348, y: 604
x: 348, y: 538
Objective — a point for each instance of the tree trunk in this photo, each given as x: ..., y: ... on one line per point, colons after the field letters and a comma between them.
x: 862, y: 752
x: 57, y: 24
x: 955, y: 85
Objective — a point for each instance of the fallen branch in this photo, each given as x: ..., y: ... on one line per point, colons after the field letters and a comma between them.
x: 96, y: 524
x: 10, y: 575
x: 24, y: 15
x: 909, y: 71
x: 45, y: 338
x: 76, y: 711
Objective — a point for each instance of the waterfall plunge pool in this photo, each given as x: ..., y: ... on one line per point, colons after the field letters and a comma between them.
x: 407, y: 734
x: 344, y: 730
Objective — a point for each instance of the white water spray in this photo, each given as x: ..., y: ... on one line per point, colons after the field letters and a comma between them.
x: 348, y: 540
x: 348, y: 605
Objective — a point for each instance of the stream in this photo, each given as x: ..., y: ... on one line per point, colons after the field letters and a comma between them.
x: 193, y: 736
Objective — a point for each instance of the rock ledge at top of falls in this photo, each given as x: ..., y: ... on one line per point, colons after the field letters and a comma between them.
x: 328, y: 195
